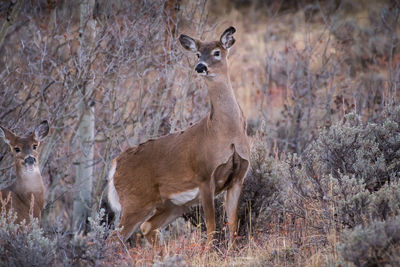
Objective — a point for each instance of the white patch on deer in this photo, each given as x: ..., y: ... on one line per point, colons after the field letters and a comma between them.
x: 113, y: 197
x: 184, y: 197
x: 31, y: 178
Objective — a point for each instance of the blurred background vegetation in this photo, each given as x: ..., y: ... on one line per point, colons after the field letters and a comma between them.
x: 317, y: 80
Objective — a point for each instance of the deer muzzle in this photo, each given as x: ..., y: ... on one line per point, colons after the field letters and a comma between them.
x: 30, y: 160
x: 201, y: 68
x: 29, y: 163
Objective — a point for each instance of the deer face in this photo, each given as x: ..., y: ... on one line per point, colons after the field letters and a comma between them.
x: 211, y: 55
x: 25, y: 149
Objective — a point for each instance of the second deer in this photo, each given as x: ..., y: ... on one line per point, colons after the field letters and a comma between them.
x: 26, y: 195
x: 159, y: 180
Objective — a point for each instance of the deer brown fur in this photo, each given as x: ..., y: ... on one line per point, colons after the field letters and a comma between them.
x: 159, y: 180
x: 26, y: 195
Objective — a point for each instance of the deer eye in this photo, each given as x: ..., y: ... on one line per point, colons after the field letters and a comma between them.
x: 34, y: 146
x: 17, y: 149
x: 217, y: 53
x: 198, y: 55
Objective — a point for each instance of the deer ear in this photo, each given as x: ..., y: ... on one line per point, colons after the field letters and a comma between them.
x: 41, y: 131
x: 188, y: 43
x: 6, y: 135
x: 227, y: 39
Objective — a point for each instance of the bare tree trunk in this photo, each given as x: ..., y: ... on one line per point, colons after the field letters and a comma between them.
x: 12, y: 13
x: 85, y: 133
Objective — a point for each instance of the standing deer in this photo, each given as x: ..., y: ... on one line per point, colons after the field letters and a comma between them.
x: 26, y: 195
x: 160, y: 179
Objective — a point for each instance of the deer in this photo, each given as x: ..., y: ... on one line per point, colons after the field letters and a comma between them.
x: 26, y: 195
x: 157, y: 181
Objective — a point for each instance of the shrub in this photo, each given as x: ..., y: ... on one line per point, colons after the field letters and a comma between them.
x: 346, y: 180
x: 353, y: 148
x: 347, y: 171
x: 385, y: 203
x: 90, y: 249
x: 26, y: 244
x: 375, y: 245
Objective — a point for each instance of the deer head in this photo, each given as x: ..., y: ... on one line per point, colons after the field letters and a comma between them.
x: 25, y: 149
x: 212, y: 56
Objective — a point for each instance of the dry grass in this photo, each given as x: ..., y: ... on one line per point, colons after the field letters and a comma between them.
x: 283, y: 245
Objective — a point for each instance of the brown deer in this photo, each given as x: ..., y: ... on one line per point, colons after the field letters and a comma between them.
x: 160, y: 179
x: 26, y: 194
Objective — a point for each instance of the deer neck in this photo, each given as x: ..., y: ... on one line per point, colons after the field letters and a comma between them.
x: 28, y: 182
x: 224, y: 107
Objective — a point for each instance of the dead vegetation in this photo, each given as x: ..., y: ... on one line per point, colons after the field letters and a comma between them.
x: 318, y: 82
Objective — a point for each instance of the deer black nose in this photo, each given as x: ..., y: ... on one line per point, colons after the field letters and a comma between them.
x: 30, y: 160
x: 200, y: 68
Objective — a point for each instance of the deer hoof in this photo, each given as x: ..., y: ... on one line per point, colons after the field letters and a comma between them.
x: 145, y: 228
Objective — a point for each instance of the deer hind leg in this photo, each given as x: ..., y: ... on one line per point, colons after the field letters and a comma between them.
x: 130, y: 221
x: 164, y: 215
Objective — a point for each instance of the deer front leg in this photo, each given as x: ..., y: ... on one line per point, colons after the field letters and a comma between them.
x: 207, y: 202
x: 232, y: 196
